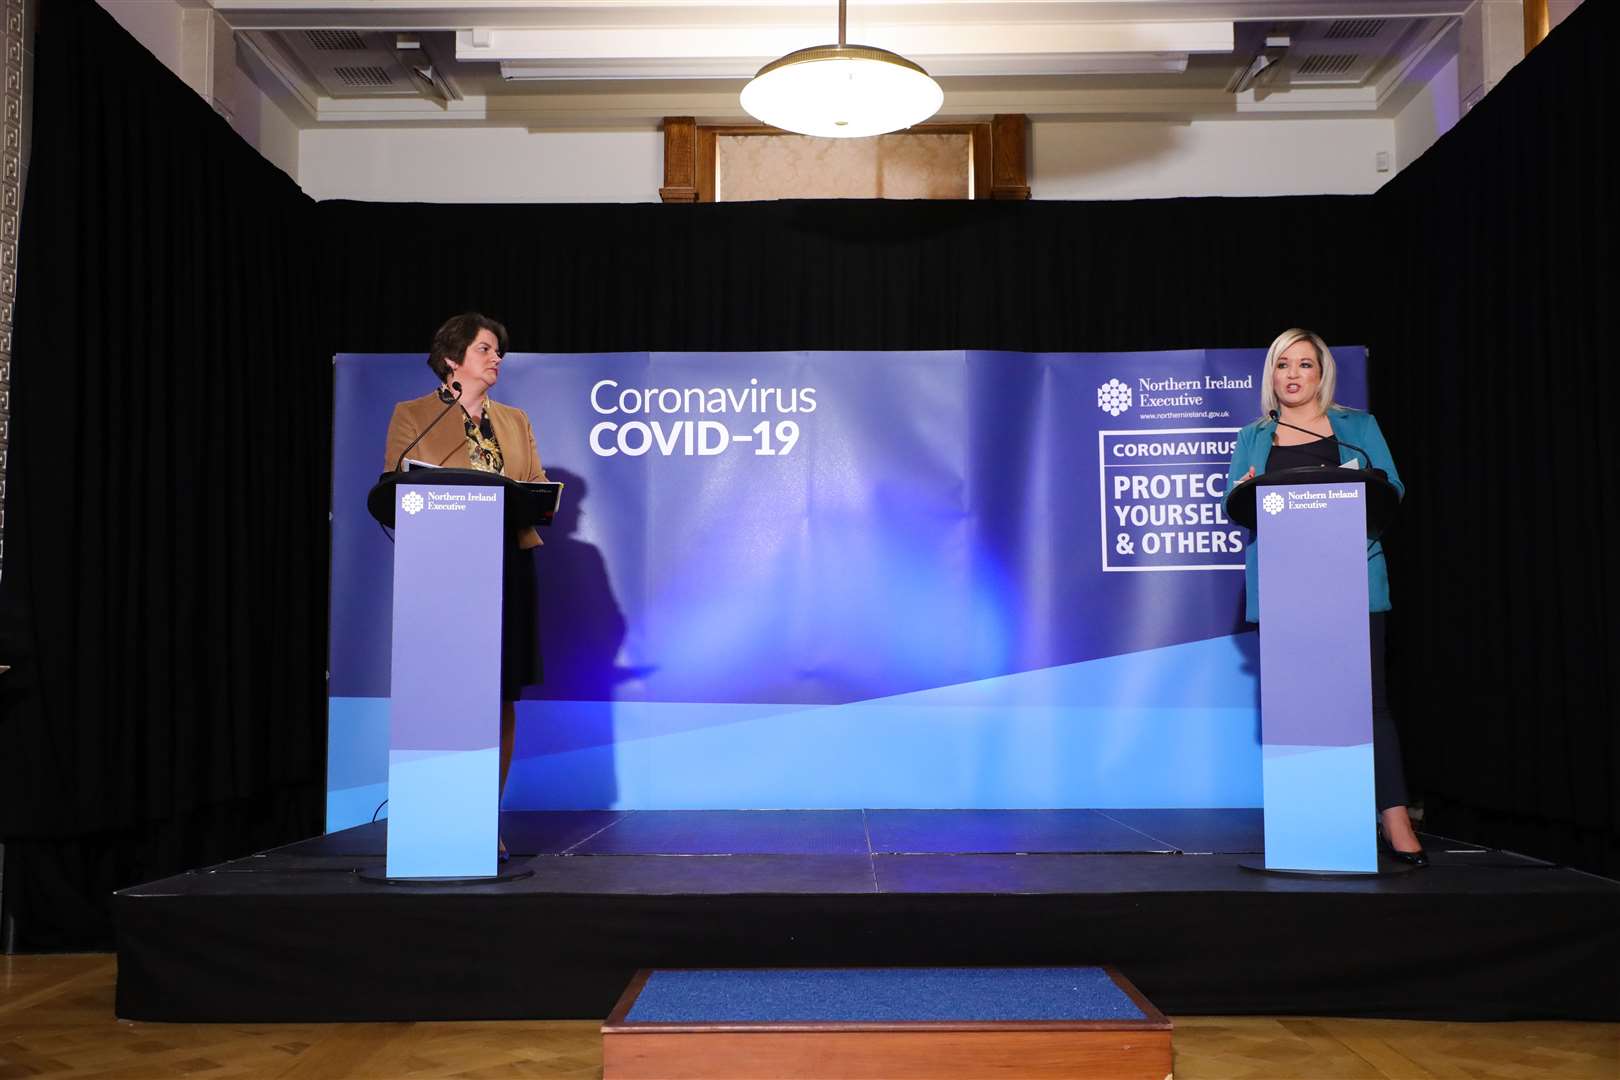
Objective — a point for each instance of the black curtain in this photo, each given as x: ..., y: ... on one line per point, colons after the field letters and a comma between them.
x: 832, y: 275
x: 164, y: 589
x: 1491, y: 376
x: 166, y: 550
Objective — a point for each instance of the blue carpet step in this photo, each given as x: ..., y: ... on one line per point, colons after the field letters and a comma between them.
x: 888, y: 1023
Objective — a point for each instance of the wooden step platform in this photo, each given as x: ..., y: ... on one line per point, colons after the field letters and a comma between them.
x: 884, y: 1024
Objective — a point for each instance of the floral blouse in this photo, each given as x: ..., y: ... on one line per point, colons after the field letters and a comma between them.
x: 483, y: 452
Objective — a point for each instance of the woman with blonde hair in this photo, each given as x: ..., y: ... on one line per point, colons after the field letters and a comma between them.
x: 1302, y: 425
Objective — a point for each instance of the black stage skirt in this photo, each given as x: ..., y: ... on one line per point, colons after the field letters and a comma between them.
x: 520, y: 637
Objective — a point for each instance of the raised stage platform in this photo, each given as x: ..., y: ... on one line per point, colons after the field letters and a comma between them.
x: 298, y: 934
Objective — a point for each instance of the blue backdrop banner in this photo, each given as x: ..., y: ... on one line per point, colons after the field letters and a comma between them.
x: 852, y: 579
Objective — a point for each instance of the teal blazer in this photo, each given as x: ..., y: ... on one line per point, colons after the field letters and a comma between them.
x: 1351, y: 426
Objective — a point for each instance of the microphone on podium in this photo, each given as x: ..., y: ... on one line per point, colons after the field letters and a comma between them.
x: 1280, y: 422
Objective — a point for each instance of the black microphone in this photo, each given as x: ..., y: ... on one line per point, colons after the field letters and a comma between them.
x: 444, y: 395
x: 1349, y: 446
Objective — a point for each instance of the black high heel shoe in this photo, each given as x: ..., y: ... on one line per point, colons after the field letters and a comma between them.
x: 1417, y: 859
x: 501, y: 854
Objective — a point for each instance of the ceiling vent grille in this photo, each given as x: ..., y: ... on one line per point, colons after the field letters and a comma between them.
x: 1354, y: 29
x: 335, y: 40
x: 363, y: 76
x: 1328, y: 64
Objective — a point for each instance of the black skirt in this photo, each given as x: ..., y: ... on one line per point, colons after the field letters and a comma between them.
x: 520, y: 639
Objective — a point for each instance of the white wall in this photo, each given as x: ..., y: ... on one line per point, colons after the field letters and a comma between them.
x: 195, y: 44
x: 1138, y: 160
x: 1480, y: 51
x: 153, y: 23
x: 1084, y: 160
x: 1559, y: 10
x: 266, y: 126
x: 265, y: 122
x: 1492, y: 43
x: 475, y: 165
x: 1429, y: 115
x: 1070, y: 160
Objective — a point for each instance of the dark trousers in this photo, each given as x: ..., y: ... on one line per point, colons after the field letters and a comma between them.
x: 1389, y: 781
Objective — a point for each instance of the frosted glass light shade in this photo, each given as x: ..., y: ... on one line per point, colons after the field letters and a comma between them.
x: 842, y: 92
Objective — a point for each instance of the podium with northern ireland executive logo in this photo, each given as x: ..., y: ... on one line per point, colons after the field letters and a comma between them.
x: 450, y: 531
x: 1313, y: 528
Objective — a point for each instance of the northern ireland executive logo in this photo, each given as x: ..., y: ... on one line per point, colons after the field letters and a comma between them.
x: 1113, y: 397
x: 412, y: 502
x: 1272, y: 504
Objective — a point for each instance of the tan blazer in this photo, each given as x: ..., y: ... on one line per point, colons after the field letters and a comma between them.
x: 446, y: 444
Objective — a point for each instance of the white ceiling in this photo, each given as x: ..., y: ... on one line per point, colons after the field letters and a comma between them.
x: 617, y: 63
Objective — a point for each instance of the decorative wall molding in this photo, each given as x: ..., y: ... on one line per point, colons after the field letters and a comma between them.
x: 13, y: 163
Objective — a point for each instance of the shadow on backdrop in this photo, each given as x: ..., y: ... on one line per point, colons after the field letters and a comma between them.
x: 581, y: 628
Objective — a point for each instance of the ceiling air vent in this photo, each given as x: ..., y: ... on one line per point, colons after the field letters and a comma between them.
x: 363, y: 76
x: 1328, y: 64
x: 1354, y: 29
x: 335, y: 40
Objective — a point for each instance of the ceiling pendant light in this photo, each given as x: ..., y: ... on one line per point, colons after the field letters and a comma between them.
x: 842, y: 91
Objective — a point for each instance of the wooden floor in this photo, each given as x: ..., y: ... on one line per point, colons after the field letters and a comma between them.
x: 56, y: 1020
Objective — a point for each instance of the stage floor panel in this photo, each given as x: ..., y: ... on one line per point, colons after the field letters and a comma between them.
x: 910, y: 832
x: 299, y: 933
x: 1226, y: 873
x: 526, y: 832
x: 1199, y: 832
x: 731, y: 832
